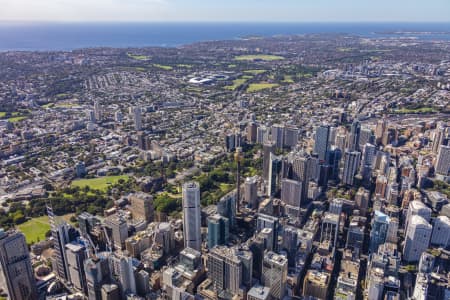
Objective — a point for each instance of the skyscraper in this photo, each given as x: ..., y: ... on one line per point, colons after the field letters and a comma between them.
x: 192, y: 216
x: 353, y: 137
x: 274, y: 275
x: 225, y: 269
x: 251, y: 132
x: 291, y: 192
x: 439, y: 137
x: 142, y: 207
x: 378, y: 233
x: 119, y: 230
x: 321, y: 142
x: 137, y: 118
x: 16, y: 274
x: 266, y: 221
x: 62, y: 234
x: 268, y: 148
x: 351, y: 163
x: 301, y: 170
x: 76, y: 254
x: 274, y: 178
x: 251, y: 191
x: 417, y: 238
x: 290, y: 136
x: 97, y: 111
x: 443, y: 163
x: 278, y: 135
x: 218, y: 230
x: 97, y: 271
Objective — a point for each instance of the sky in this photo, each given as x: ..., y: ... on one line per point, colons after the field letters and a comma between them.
x: 226, y: 10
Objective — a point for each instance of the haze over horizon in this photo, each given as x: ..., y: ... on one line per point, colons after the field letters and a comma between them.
x: 231, y: 11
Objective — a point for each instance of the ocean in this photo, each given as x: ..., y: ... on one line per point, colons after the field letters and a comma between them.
x: 70, y: 36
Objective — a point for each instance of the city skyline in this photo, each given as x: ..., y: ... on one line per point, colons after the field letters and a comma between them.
x: 232, y: 11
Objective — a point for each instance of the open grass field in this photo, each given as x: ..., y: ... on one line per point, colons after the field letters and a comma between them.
x: 255, y: 87
x: 422, y: 110
x: 138, y: 57
x: 16, y: 119
x: 236, y: 83
x: 2, y: 114
x: 264, y: 57
x: 100, y: 183
x: 254, y: 72
x: 163, y: 67
x: 36, y: 228
x: 288, y: 79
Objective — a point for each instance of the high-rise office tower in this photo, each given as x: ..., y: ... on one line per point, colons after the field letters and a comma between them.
x: 274, y: 178
x: 266, y: 221
x: 291, y: 192
x: 278, y: 135
x: 239, y: 159
x: 90, y: 115
x: 379, y: 231
x: 97, y: 272
x: 225, y: 269
x: 226, y: 207
x: 321, y: 142
x: 439, y: 137
x: 123, y: 272
x: 76, y: 254
x: 274, y: 275
x: 366, y: 136
x: 192, y: 216
x: 290, y: 136
x: 16, y: 273
x: 316, y: 284
x: 252, y: 131
x: 353, y: 137
x: 334, y: 158
x: 251, y: 191
x: 110, y: 292
x: 97, y: 111
x: 268, y: 149
x: 262, y: 135
x: 218, y: 230
x: 417, y: 238
x: 137, y: 118
x: 118, y: 117
x: 441, y: 231
x: 62, y: 234
x: 301, y: 170
x: 119, y: 230
x: 86, y: 223
x: 380, y: 130
x: 417, y: 208
x: 351, y: 163
x: 142, y: 141
x: 289, y: 244
x: 368, y: 156
x: 142, y: 207
x: 443, y: 163
x: 362, y: 200
x: 330, y: 229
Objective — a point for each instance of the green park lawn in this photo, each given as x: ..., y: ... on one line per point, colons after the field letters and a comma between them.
x: 16, y: 119
x: 35, y: 229
x: 255, y: 87
x: 264, y: 57
x: 236, y: 83
x: 254, y: 72
x: 163, y: 67
x: 100, y: 183
x: 138, y: 57
x: 2, y: 114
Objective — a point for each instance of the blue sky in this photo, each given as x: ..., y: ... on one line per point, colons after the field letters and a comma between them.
x: 227, y: 10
